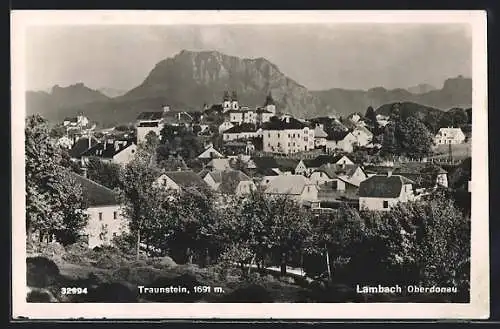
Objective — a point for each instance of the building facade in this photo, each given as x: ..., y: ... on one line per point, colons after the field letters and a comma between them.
x: 286, y: 136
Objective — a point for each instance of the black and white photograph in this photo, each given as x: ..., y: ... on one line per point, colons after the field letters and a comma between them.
x: 249, y: 164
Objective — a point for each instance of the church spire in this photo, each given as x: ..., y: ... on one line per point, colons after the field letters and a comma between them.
x: 234, y: 96
x: 226, y: 96
x: 269, y: 100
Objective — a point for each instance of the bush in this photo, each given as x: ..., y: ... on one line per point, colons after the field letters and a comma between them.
x: 185, y: 280
x: 111, y: 293
x: 41, y: 272
x: 251, y: 294
x: 40, y: 296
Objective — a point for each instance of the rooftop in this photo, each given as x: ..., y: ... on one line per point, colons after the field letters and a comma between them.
x: 107, y: 149
x: 287, y: 184
x: 286, y: 123
x: 150, y: 116
x: 186, y: 178
x: 383, y: 186
x: 242, y: 128
x: 94, y: 193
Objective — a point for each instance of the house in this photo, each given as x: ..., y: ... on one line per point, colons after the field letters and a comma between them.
x: 382, y: 192
x: 424, y: 175
x: 230, y: 102
x: 297, y: 187
x: 105, y: 218
x: 218, y: 164
x: 210, y: 153
x: 177, y: 118
x: 235, y: 117
x: 179, y: 180
x: 249, y: 116
x: 449, y: 136
x: 263, y: 115
x: 363, y: 135
x: 270, y: 105
x: 241, y: 131
x: 225, y: 126
x: 340, y: 140
x: 351, y: 174
x: 149, y: 121
x: 307, y: 166
x: 382, y: 120
x: 228, y: 181
x: 287, y: 135
x: 119, y: 152
x: 80, y: 121
x: 286, y: 166
x: 235, y: 147
x: 80, y: 146
x: 319, y: 136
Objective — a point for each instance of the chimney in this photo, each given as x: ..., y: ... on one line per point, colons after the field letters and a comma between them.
x: 117, y: 146
x: 389, y: 173
x: 84, y: 172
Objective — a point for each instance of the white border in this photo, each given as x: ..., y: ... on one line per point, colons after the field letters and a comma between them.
x: 478, y: 308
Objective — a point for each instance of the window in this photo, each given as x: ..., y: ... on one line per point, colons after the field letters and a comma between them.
x: 100, y: 216
x: 269, y: 135
x: 308, y: 189
x: 385, y: 204
x: 278, y: 135
x: 115, y: 215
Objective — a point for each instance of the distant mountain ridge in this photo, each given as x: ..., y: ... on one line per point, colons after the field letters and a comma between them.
x: 191, y: 79
x: 421, y: 88
x: 49, y: 104
x: 456, y: 92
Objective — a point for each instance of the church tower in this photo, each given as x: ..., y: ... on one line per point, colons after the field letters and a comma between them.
x: 269, y: 104
x: 234, y: 101
x: 226, y: 102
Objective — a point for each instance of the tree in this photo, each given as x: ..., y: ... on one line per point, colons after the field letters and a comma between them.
x: 390, y: 144
x: 54, y: 203
x: 136, y: 182
x: 107, y: 174
x: 442, y: 241
x: 415, y: 138
x: 57, y: 131
x: 371, y: 116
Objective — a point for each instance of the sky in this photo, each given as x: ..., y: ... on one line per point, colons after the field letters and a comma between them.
x: 350, y: 56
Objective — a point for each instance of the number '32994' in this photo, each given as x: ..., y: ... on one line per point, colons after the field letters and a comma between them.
x: 73, y: 291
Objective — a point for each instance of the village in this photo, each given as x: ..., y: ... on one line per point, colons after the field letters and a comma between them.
x: 241, y: 150
x: 246, y: 198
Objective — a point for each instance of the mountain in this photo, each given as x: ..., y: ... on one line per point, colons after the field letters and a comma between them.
x: 52, y: 105
x: 191, y: 79
x: 456, y: 92
x: 111, y: 92
x: 421, y: 88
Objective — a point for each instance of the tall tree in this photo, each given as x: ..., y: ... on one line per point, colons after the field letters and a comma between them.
x: 415, y: 138
x: 54, y: 203
x: 136, y: 181
x: 371, y: 116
